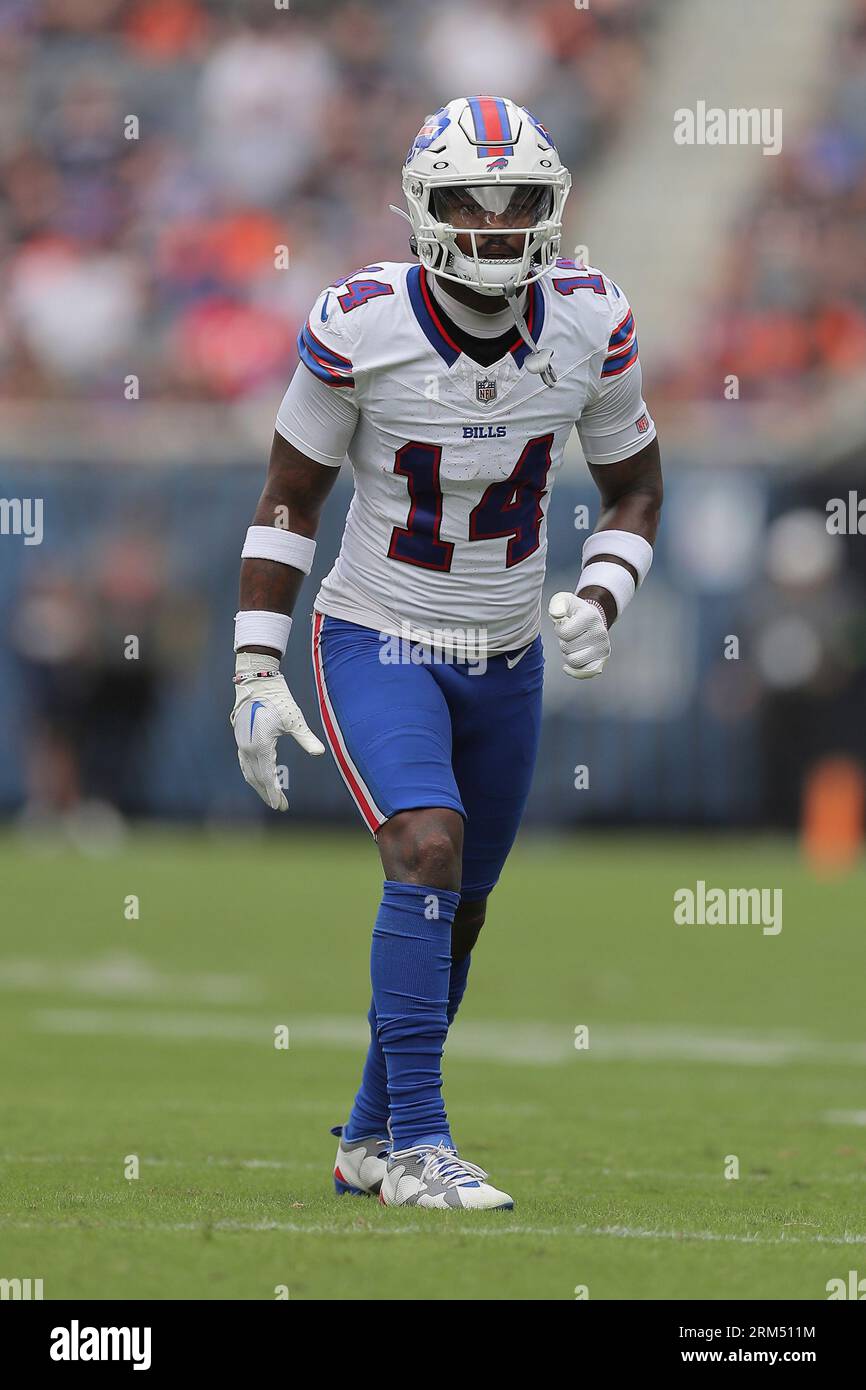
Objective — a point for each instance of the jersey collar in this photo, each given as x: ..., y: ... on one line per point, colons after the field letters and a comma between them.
x: 436, y: 331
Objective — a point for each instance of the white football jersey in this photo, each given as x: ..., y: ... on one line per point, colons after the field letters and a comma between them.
x: 454, y: 462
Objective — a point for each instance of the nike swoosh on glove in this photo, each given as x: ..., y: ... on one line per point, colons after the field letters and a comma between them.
x: 264, y: 709
x: 582, y: 633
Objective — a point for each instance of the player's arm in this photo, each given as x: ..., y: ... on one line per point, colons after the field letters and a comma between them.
x: 631, y: 500
x: 622, y: 451
x: 291, y: 501
x: 314, y: 427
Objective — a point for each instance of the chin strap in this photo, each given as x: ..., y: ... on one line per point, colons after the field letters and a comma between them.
x: 538, y: 362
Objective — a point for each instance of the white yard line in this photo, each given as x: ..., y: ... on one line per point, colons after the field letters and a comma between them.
x: 124, y: 975
x: 495, y: 1229
x: 519, y: 1043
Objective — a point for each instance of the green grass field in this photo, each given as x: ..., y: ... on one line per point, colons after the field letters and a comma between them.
x: 155, y: 1038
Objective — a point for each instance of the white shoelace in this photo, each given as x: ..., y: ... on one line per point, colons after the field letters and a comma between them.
x: 447, y: 1165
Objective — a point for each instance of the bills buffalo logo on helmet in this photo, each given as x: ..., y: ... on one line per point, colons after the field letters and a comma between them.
x: 431, y: 130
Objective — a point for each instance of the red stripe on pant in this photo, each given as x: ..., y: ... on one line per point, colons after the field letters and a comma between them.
x: 332, y: 734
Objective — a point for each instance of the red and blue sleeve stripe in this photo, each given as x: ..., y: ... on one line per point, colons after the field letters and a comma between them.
x: 329, y: 366
x: 492, y: 126
x: 622, y: 348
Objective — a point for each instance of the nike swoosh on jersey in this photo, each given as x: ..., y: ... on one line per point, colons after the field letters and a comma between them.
x: 511, y: 661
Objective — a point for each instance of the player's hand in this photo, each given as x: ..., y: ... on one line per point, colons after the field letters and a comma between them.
x: 582, y: 633
x: 263, y: 710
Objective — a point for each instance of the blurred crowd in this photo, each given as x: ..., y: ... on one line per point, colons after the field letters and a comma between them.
x: 99, y: 641
x: 791, y: 300
x: 155, y: 155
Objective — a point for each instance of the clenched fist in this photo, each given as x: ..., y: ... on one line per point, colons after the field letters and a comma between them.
x: 582, y: 632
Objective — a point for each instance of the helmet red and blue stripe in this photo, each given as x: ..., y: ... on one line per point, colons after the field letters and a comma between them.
x: 492, y: 127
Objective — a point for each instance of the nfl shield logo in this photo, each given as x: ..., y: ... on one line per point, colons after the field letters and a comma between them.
x: 485, y: 390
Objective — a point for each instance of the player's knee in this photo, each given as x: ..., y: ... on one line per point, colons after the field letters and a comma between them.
x: 424, y: 846
x: 467, y: 925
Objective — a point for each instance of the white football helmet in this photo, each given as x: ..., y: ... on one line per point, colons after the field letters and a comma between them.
x: 478, y: 158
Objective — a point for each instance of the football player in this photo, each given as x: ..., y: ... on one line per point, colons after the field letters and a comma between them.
x: 451, y: 384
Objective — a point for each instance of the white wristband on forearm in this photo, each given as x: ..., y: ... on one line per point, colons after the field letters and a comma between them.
x: 625, y: 545
x: 618, y: 581
x: 255, y: 627
x: 286, y: 547
x: 607, y: 575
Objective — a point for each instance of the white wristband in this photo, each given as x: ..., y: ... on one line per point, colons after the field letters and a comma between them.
x: 286, y: 547
x: 626, y: 545
x: 608, y: 575
x: 257, y: 627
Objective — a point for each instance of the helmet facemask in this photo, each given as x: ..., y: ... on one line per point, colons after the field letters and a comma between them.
x: 510, y: 227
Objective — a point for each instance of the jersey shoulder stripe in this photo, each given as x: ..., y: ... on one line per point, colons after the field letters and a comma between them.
x: 326, y: 364
x: 621, y: 335
x: 622, y: 348
x: 345, y: 330
x: 604, y: 310
x: 334, y: 359
x: 589, y: 308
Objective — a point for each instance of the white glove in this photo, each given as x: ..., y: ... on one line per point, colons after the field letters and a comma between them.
x: 582, y: 633
x: 263, y: 710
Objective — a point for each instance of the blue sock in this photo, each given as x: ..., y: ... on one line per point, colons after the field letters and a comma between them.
x: 370, y: 1111
x: 410, y: 965
x: 457, y: 987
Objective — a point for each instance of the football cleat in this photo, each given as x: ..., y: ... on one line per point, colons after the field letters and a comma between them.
x: 360, y: 1165
x: 436, y: 1176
